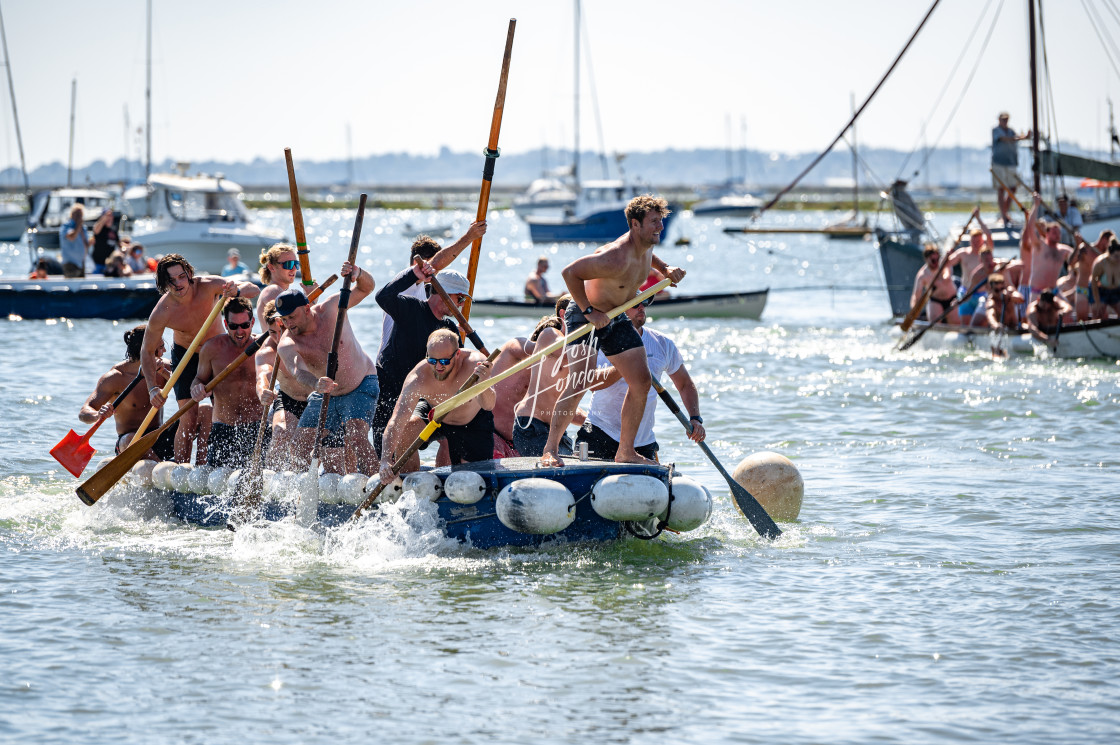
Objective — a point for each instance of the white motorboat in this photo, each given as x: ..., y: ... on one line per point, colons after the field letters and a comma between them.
x: 49, y: 209
x: 730, y: 201
x: 200, y: 217
x: 549, y: 195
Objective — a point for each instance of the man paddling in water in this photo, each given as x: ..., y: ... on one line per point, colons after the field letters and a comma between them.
x: 1044, y: 317
x: 1046, y: 256
x: 134, y: 408
x: 184, y: 305
x: 233, y: 433
x: 597, y: 283
x: 1106, y: 281
x: 944, y: 289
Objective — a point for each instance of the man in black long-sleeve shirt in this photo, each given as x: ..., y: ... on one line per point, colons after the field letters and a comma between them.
x: 413, y: 322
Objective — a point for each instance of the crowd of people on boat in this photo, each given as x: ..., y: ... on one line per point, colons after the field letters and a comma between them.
x: 377, y: 404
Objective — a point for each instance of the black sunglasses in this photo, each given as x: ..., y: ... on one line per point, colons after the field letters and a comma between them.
x: 246, y: 325
x: 648, y: 301
x: 440, y: 360
x: 288, y: 264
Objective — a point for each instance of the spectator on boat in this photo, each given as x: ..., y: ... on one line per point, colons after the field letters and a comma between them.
x: 74, y: 242
x: 468, y: 428
x: 130, y: 414
x: 137, y: 261
x: 425, y: 248
x: 237, y: 410
x: 354, y: 389
x: 603, y: 280
x: 1047, y: 256
x: 1106, y: 281
x: 538, y: 402
x: 601, y: 430
x: 536, y: 287
x: 941, y: 299
x: 1067, y: 213
x: 117, y: 266
x: 105, y: 240
x: 287, y: 401
x: 184, y: 305
x: 1003, y: 304
x: 1044, y: 317
x: 279, y: 264
x: 1005, y: 163
x: 40, y: 271
x: 234, y: 266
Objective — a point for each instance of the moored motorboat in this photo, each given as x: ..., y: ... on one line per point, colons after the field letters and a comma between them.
x: 599, y: 215
x: 717, y: 305
x: 51, y: 208
x: 88, y: 297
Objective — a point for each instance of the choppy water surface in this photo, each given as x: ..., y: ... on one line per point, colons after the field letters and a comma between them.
x: 952, y: 576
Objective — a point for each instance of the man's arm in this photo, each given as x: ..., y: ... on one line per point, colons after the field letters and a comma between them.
x: 205, y: 370
x: 265, y: 360
x: 100, y: 402
x: 361, y: 286
x: 690, y: 397
x: 149, y: 363
x: 443, y: 258
x: 388, y: 297
x: 676, y: 274
x: 291, y: 359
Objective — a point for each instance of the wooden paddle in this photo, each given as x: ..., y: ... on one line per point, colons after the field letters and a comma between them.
x: 745, y: 502
x: 913, y: 339
x: 440, y: 411
x: 170, y: 385
x: 916, y: 311
x: 402, y: 461
x: 305, y: 506
x: 464, y: 325
x: 302, y: 251
x: 250, y: 486
x: 95, y: 487
x: 491, y: 154
x: 73, y: 452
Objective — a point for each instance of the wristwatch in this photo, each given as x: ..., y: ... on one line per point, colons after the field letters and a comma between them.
x: 696, y: 418
x: 588, y: 310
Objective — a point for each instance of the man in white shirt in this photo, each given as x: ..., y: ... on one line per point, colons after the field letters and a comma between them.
x: 603, y: 427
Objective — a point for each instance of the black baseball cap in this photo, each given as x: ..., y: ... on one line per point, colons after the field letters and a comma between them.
x: 288, y: 300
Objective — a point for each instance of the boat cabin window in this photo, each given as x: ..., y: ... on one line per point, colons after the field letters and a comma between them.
x: 205, y: 206
x: 58, y: 209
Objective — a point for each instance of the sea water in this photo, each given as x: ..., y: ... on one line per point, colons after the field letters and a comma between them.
x: 952, y: 576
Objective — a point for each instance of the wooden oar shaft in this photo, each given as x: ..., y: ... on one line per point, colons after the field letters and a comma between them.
x: 302, y: 251
x: 424, y: 436
x: 924, y: 299
x: 491, y: 153
x: 464, y: 325
x: 748, y: 505
x: 99, y: 483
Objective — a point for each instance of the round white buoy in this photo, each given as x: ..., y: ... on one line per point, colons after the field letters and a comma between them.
x: 198, y: 480
x: 691, y: 506
x: 774, y: 481
x: 216, y: 481
x: 351, y: 488
x: 161, y: 474
x: 233, y: 481
x: 281, y: 484
x: 142, y: 473
x: 306, y: 488
x: 629, y: 496
x: 267, y: 475
x: 536, y: 506
x: 328, y: 487
x: 179, y: 476
x: 464, y: 487
x: 102, y: 463
x: 425, y: 483
x: 392, y: 492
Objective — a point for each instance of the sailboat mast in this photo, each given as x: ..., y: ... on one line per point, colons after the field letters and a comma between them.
x: 148, y: 101
x: 855, y: 161
x: 15, y: 114
x: 1036, y: 165
x: 575, y: 154
x: 70, y: 161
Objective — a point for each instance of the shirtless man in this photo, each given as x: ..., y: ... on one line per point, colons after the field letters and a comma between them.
x: 184, y: 305
x: 1076, y: 286
x: 534, y: 410
x: 971, y: 310
x: 1106, y: 281
x: 944, y: 289
x: 353, y: 390
x: 288, y: 400
x: 134, y: 408
x: 468, y: 429
x: 536, y: 287
x: 969, y: 257
x: 237, y: 410
x: 598, y: 282
x: 1046, y: 257
x: 279, y: 265
x: 508, y: 392
x: 1002, y: 308
x: 1044, y: 317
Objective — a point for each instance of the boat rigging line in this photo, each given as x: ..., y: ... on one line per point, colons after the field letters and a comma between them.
x: 774, y: 200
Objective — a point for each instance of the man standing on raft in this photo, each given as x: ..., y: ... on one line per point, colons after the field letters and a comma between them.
x: 597, y: 283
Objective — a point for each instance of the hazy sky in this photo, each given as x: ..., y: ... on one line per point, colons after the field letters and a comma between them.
x: 240, y: 79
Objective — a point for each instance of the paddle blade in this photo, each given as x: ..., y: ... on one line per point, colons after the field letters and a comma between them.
x: 73, y: 452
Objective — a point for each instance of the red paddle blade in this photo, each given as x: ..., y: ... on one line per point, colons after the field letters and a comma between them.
x: 73, y: 451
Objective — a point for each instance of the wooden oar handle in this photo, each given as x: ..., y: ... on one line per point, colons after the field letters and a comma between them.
x: 463, y: 323
x: 302, y: 251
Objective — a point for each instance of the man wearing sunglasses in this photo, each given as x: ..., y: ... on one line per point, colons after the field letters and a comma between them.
x: 237, y: 410
x: 468, y: 429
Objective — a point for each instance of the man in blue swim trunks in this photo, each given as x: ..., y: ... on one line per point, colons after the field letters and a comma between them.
x: 353, y: 390
x: 597, y: 283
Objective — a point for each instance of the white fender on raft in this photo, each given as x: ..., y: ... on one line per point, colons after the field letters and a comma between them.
x: 141, y: 473
x: 328, y: 487
x: 351, y: 488
x: 179, y: 476
x: 392, y: 492
x: 277, y: 487
x: 233, y: 481
x: 536, y: 506
x: 306, y: 487
x: 198, y: 482
x: 464, y: 487
x: 691, y: 506
x: 425, y: 483
x: 161, y: 474
x: 216, y: 481
x: 629, y: 496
